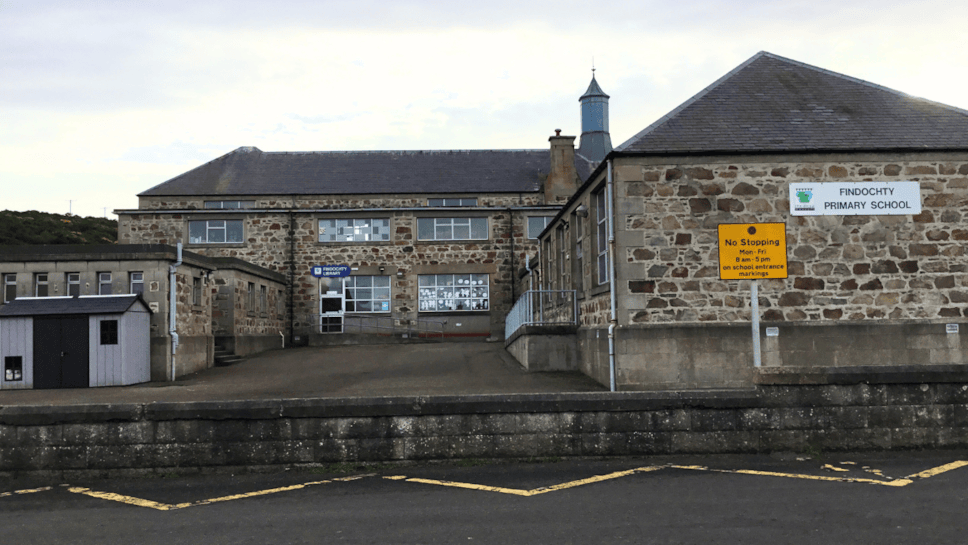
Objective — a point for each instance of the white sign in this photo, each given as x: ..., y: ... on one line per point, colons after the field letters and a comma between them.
x: 951, y: 328
x: 772, y: 332
x: 855, y: 198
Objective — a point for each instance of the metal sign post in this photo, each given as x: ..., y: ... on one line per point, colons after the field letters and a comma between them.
x: 750, y: 251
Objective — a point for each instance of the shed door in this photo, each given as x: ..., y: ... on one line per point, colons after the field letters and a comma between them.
x: 61, y: 352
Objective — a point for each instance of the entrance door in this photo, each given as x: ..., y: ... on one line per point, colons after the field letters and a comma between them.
x: 61, y: 352
x: 331, y: 305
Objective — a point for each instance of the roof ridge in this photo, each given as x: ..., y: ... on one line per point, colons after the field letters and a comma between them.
x: 434, y: 151
x: 689, y: 102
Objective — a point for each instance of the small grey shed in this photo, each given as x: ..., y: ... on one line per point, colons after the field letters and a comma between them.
x: 74, y: 342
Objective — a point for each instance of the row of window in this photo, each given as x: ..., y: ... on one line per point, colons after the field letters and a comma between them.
x: 363, y: 229
x: 226, y: 205
x: 136, y: 284
x: 565, y: 266
x: 436, y: 293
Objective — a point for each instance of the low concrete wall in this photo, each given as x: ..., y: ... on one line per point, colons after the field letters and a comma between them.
x: 194, y: 354
x: 545, y: 348
x: 768, y: 418
x: 670, y: 357
x: 244, y: 345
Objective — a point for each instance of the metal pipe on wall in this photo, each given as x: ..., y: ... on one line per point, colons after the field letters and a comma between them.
x: 613, y: 320
x: 173, y: 305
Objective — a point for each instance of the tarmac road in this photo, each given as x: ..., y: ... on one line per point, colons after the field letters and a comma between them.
x: 338, y: 371
x: 908, y: 497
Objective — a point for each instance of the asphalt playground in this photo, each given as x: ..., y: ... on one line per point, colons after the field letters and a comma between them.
x: 458, y: 368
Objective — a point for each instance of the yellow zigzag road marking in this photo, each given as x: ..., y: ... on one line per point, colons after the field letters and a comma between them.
x: 140, y: 502
x: 938, y: 470
x: 25, y: 491
x: 896, y: 483
x: 532, y: 492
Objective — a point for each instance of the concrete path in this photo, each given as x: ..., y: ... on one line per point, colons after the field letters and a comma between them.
x: 340, y: 371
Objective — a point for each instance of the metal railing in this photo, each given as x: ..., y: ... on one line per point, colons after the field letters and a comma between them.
x: 542, y: 307
x: 375, y: 325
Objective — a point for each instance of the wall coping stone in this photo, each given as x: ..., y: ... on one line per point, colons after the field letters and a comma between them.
x: 548, y: 329
x: 42, y: 415
x: 872, y: 374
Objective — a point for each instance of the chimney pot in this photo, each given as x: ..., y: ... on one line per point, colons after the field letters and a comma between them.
x: 557, y: 132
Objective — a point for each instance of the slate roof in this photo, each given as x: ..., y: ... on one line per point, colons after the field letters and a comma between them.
x: 773, y: 104
x: 250, y: 171
x: 90, y: 304
x: 594, y: 90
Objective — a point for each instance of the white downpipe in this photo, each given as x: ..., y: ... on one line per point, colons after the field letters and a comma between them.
x: 613, y: 321
x: 283, y: 338
x: 755, y: 303
x: 172, y: 307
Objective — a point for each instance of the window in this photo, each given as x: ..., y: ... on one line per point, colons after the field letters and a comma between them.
x: 536, y: 224
x: 602, y: 222
x: 137, y: 282
x: 73, y: 284
x: 562, y: 257
x: 280, y: 304
x: 13, y: 368
x: 41, y: 285
x: 443, y: 292
x: 354, y: 230
x: 104, y: 283
x: 214, y: 231
x: 250, y: 299
x: 579, y: 271
x: 9, y: 287
x: 451, y: 202
x: 263, y: 300
x: 451, y: 228
x: 196, y: 290
x: 367, y: 294
x: 109, y: 332
x: 229, y: 204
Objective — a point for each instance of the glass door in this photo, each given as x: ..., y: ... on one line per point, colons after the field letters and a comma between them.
x: 331, y: 305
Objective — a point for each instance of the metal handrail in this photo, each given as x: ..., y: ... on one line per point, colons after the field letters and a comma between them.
x: 542, y: 307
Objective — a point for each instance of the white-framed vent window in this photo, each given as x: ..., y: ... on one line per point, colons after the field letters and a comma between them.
x: 451, y: 228
x: 229, y: 204
x: 451, y: 202
x: 104, y: 283
x: 136, y: 281
x: 536, y: 224
x: 41, y: 285
x: 214, y: 231
x: 354, y: 230
x: 453, y: 292
x: 9, y: 287
x: 367, y: 294
x: 73, y: 284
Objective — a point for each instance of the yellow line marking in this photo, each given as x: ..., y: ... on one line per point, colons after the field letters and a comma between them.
x: 535, y: 491
x: 396, y: 477
x: 896, y: 483
x: 140, y: 502
x: 24, y: 491
x: 833, y: 468
x: 938, y: 470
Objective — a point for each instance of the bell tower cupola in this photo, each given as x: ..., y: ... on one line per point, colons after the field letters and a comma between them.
x: 595, y: 142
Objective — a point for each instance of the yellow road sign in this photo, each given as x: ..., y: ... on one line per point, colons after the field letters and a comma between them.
x: 749, y: 251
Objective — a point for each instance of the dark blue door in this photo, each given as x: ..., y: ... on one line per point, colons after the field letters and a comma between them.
x: 61, y: 352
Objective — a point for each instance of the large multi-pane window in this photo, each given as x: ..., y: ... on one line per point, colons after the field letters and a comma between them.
x: 214, y: 231
x: 536, y: 224
x: 444, y: 292
x: 579, y: 252
x: 229, y: 204
x: 451, y: 228
x: 354, y: 230
x: 452, y: 202
x: 73, y: 284
x: 104, y: 283
x: 562, y: 258
x: 41, y: 285
x: 367, y: 293
x: 601, y: 218
x: 9, y: 287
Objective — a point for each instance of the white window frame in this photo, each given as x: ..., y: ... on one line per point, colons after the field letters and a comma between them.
x: 601, y: 218
x: 447, y: 292
x: 543, y: 220
x: 136, y: 278
x: 9, y: 283
x: 353, y: 230
x: 250, y: 298
x: 579, y: 279
x: 441, y: 227
x: 263, y: 299
x: 228, y: 205
x: 73, y: 279
x: 41, y: 280
x: 104, y: 279
x: 211, y: 230
x: 452, y: 201
x: 196, y: 290
x: 357, y: 294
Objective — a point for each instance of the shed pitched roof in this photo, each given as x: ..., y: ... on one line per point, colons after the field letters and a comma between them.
x: 85, y: 304
x: 773, y: 104
x: 250, y: 171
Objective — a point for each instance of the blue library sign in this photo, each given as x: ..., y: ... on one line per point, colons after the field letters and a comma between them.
x: 330, y: 271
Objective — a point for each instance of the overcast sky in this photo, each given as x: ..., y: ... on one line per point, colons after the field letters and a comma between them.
x: 100, y: 100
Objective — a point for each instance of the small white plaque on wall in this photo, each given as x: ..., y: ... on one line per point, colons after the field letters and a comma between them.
x: 951, y: 328
x: 772, y: 332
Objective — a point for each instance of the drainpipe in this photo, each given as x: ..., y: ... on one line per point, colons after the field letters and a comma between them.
x: 292, y: 274
x: 172, y: 306
x: 514, y: 279
x: 613, y: 321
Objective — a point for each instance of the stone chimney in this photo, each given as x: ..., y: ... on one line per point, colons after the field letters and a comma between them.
x: 562, y: 179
